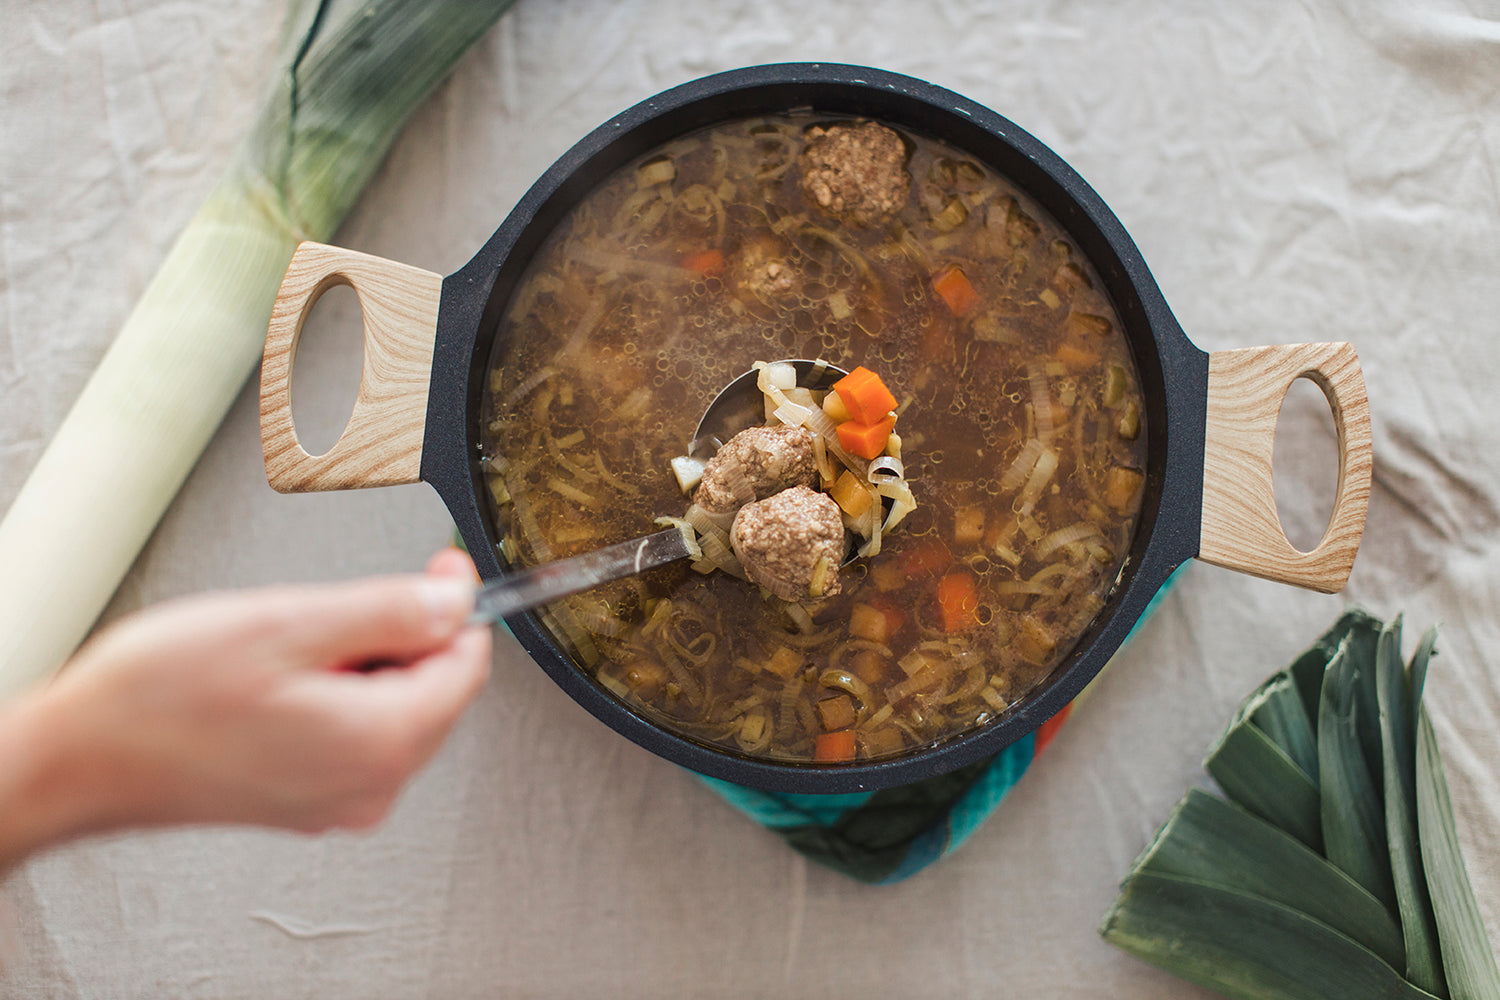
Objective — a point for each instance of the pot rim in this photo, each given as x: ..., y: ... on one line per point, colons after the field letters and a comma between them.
x: 1173, y: 371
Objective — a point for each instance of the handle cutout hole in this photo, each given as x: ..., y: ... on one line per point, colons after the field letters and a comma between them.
x: 326, y: 372
x: 1305, y: 464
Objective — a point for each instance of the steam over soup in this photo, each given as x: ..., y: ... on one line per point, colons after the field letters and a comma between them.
x: 1021, y: 430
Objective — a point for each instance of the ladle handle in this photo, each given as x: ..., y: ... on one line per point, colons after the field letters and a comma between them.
x: 1241, y: 528
x: 543, y: 584
x: 382, y: 443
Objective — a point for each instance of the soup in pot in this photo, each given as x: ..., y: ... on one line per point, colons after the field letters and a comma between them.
x: 1020, y: 431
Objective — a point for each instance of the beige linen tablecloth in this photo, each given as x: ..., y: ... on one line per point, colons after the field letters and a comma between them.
x: 1290, y: 171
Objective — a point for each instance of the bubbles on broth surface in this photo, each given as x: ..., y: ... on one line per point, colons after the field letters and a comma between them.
x: 611, y: 318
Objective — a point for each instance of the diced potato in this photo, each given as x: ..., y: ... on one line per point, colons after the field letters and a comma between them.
x: 1034, y: 642
x: 869, y: 622
x: 1079, y: 322
x: 1130, y: 422
x: 785, y: 662
x: 1076, y: 357
x: 849, y: 493
x: 1114, y: 386
x: 968, y: 525
x: 833, y: 406
x: 870, y: 667
x: 880, y: 742
x: 838, y: 304
x: 753, y: 727
x: 887, y: 575
x: 1121, y: 486
x: 836, y: 712
x: 1049, y: 298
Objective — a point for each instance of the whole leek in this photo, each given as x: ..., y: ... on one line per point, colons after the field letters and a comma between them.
x: 352, y: 73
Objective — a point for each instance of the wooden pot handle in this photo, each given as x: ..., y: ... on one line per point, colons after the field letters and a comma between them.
x: 382, y: 443
x: 1241, y: 528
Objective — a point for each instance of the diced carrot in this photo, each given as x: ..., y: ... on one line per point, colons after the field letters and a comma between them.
x: 926, y: 559
x: 953, y: 287
x: 705, y: 262
x: 865, y: 396
x: 959, y: 601
x: 866, y: 440
x: 831, y: 747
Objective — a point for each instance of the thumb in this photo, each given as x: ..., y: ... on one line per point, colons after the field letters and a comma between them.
x: 399, y: 617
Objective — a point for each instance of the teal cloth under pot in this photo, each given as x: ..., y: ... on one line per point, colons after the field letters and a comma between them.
x: 886, y: 836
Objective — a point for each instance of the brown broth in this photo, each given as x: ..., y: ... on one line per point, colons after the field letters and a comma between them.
x: 611, y: 348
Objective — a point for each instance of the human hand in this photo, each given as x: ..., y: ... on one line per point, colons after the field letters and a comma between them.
x: 244, y: 707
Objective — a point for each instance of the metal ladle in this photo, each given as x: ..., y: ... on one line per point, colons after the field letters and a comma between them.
x: 737, y: 406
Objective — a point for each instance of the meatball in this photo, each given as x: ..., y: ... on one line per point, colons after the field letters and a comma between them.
x: 754, y: 464
x: 791, y: 543
x: 855, y: 172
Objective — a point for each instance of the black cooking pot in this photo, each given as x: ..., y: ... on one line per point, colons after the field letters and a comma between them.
x: 1211, y: 418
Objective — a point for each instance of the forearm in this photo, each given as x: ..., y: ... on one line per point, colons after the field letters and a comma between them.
x: 44, y: 798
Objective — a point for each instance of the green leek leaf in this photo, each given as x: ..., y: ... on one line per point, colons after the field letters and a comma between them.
x: 1277, y: 709
x: 1423, y: 964
x: 1218, y: 843
x: 1307, y: 669
x: 1244, y: 946
x: 1467, y: 959
x: 1260, y: 776
x: 1352, y: 813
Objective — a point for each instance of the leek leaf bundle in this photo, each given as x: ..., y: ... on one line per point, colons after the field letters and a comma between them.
x: 352, y: 72
x: 1332, y: 866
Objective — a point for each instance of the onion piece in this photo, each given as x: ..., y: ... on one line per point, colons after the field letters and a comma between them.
x: 845, y: 681
x: 1077, y: 532
x: 716, y: 552
x: 886, y: 470
x: 1019, y: 469
x: 1041, y: 475
x: 689, y: 471
x: 689, y: 536
x: 707, y: 523
x: 799, y: 616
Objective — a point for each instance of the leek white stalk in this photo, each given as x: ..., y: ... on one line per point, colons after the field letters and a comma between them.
x: 352, y: 74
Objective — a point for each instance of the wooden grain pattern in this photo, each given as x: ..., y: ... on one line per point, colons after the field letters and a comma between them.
x: 1241, y: 527
x: 382, y: 443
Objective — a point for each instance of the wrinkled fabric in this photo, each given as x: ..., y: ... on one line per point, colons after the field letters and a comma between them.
x: 1290, y: 172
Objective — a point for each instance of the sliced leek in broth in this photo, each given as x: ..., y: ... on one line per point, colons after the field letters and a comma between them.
x: 1022, y: 435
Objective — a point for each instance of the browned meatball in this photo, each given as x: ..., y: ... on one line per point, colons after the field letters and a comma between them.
x: 754, y: 464
x: 855, y: 172
x: 791, y: 543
